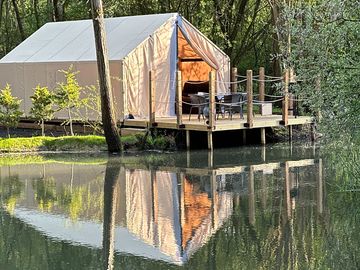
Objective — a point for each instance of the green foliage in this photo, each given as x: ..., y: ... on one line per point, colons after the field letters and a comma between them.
x: 89, y: 143
x: 68, y: 92
x: 42, y: 108
x: 325, y: 53
x: 42, y: 103
x: 75, y: 143
x: 68, y: 95
x: 89, y: 111
x: 156, y: 141
x: 9, y: 109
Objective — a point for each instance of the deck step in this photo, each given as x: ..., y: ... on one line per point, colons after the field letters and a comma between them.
x: 132, y: 131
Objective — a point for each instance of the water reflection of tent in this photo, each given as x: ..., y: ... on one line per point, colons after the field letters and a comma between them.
x: 176, y: 218
x: 162, y: 213
x: 160, y: 219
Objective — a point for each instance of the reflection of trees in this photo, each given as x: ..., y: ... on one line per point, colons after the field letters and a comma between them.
x: 45, y: 193
x: 281, y: 237
x: 71, y: 198
x: 11, y: 189
x: 23, y: 247
x: 111, y: 189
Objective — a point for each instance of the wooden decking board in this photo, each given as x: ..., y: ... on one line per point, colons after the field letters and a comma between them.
x: 220, y: 124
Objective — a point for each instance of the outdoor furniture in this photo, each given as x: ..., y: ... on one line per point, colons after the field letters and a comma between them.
x: 231, y: 104
x: 198, y: 102
x: 266, y: 108
x: 191, y: 88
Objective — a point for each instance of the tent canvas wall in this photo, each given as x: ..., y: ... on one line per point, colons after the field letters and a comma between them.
x: 137, y: 44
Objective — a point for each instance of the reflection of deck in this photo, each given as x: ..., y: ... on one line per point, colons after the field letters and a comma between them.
x: 222, y: 124
x: 227, y: 170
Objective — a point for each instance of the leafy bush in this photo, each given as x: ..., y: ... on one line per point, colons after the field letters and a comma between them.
x: 68, y: 95
x: 9, y: 109
x: 42, y: 109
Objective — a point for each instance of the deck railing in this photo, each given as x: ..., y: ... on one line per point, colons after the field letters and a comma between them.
x: 250, y: 101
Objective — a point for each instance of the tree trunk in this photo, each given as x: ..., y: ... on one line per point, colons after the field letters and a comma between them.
x: 56, y: 10
x: 275, y: 17
x: 107, y: 112
x: 8, y: 131
x: 7, y: 22
x: 36, y: 13
x: 18, y: 19
x: 42, y: 128
x: 50, y: 8
x: 1, y: 9
x: 70, y: 122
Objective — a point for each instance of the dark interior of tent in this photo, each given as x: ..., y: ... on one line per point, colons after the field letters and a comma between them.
x: 194, y: 70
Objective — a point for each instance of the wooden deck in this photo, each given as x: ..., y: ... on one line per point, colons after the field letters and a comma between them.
x: 222, y: 124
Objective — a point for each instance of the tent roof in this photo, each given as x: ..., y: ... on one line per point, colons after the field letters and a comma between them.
x: 74, y: 40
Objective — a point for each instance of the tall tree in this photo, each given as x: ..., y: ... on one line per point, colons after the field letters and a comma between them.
x: 19, y: 20
x: 108, y: 117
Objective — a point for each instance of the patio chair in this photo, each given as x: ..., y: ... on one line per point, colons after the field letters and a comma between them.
x: 232, y: 105
x: 198, y: 102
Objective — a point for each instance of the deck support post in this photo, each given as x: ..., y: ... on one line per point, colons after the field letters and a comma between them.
x: 187, y: 139
x: 210, y: 140
x: 263, y: 154
x: 249, y: 90
x: 233, y: 80
x: 262, y: 134
x: 261, y: 86
x: 312, y: 132
x: 151, y: 98
x: 290, y: 133
x: 244, y: 136
x: 179, y: 98
x: 251, y: 190
x: 212, y: 90
x: 287, y: 191
x: 285, y: 102
x: 320, y: 188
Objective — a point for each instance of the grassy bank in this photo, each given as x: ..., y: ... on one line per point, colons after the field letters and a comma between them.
x: 66, y: 143
x: 89, y: 143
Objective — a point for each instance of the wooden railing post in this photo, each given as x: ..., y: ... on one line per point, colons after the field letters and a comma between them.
x: 233, y: 79
x: 179, y: 98
x: 151, y: 98
x: 212, y: 90
x: 262, y: 84
x: 249, y: 91
x: 285, y: 103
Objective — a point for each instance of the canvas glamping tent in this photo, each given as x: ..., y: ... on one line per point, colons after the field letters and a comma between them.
x: 137, y: 44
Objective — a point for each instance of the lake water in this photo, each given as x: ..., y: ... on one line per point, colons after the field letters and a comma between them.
x: 274, y: 207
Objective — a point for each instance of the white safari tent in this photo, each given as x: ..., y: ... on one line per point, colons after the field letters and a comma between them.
x: 163, y: 43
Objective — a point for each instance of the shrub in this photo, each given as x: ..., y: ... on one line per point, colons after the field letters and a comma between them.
x: 68, y: 95
x: 42, y: 108
x: 9, y: 109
